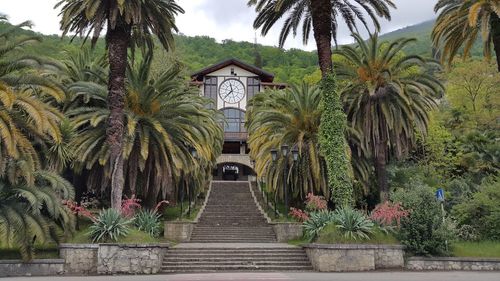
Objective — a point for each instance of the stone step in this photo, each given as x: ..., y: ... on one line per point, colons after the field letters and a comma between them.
x: 241, y: 262
x: 240, y: 254
x: 216, y: 268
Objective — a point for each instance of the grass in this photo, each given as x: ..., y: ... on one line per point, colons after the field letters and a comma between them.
x: 298, y: 242
x: 173, y: 213
x: 134, y: 236
x: 483, y: 249
x: 331, y: 235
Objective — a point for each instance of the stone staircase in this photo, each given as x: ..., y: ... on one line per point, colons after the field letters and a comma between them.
x: 232, y: 216
x: 232, y: 235
x: 241, y: 257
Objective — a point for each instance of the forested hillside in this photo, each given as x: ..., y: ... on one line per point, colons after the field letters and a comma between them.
x: 194, y: 53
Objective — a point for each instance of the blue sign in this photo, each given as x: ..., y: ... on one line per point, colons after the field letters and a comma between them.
x: 440, y: 194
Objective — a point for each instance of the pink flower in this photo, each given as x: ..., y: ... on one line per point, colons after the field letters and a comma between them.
x: 389, y: 213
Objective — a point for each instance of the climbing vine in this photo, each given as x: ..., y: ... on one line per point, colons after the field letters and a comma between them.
x: 333, y: 144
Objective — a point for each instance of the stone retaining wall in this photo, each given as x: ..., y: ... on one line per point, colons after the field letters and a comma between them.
x: 451, y: 263
x: 130, y: 258
x: 178, y: 231
x: 34, y: 268
x: 287, y: 231
x: 79, y: 258
x: 354, y: 257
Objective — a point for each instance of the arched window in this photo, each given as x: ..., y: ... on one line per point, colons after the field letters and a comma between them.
x: 235, y: 120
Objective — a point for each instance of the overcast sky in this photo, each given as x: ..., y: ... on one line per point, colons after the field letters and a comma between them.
x: 221, y: 19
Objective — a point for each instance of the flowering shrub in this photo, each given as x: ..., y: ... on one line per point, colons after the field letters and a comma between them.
x: 298, y: 214
x: 130, y: 206
x: 315, y: 203
x: 79, y: 209
x: 389, y: 214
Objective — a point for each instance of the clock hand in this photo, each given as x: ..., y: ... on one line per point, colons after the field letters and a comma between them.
x: 228, y: 94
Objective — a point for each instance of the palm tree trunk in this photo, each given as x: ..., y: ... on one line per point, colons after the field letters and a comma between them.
x: 321, y: 13
x: 118, y: 41
x: 380, y: 170
x: 495, y: 33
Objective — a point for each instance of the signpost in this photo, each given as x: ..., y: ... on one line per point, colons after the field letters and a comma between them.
x: 440, y: 198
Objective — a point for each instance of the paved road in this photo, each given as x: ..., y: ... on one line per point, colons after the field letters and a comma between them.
x: 303, y: 276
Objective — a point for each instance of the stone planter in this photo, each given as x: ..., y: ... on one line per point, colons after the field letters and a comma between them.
x: 178, y: 231
x: 79, y: 258
x: 452, y: 263
x: 42, y: 267
x: 286, y: 231
x: 354, y: 257
x: 130, y: 258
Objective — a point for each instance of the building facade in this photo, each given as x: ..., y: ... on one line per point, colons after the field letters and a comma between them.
x: 231, y: 84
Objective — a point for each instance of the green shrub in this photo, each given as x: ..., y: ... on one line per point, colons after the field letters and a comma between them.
x: 109, y: 226
x: 148, y: 221
x: 422, y: 231
x: 482, y: 210
x: 353, y: 224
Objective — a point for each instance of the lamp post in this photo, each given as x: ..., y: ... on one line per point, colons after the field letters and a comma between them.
x: 284, y: 152
x: 194, y: 154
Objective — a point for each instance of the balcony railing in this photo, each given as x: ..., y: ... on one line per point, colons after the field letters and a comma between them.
x: 237, y: 136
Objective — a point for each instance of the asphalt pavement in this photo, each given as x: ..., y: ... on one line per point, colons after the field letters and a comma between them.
x: 285, y: 276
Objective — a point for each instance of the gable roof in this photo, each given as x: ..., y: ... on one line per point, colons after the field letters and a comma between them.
x: 263, y: 75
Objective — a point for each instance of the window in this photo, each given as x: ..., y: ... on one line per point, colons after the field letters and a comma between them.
x: 253, y: 87
x: 211, y: 88
x: 235, y: 120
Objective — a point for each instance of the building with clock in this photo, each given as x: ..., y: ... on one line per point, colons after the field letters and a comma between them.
x: 230, y: 84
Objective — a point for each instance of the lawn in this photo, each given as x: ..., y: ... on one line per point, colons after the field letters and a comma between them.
x: 484, y: 249
x: 173, y: 213
x: 41, y: 252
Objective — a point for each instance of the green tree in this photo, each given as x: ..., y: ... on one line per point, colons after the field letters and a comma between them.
x: 461, y: 21
x: 31, y: 207
x: 163, y: 121
x: 288, y: 117
x: 321, y: 15
x: 128, y: 24
x: 387, y: 97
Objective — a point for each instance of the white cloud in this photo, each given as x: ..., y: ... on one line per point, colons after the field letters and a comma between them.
x: 220, y: 19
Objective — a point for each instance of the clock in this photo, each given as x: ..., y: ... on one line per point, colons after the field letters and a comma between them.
x: 232, y: 90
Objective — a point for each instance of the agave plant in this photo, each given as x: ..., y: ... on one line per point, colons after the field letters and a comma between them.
x: 353, y: 224
x: 316, y: 222
x: 148, y: 221
x: 110, y: 225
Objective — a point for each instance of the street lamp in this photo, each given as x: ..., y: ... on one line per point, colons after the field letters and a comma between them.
x: 284, y: 153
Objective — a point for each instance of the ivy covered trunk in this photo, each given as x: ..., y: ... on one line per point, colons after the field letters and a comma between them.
x: 381, y: 170
x: 118, y: 41
x: 334, y: 145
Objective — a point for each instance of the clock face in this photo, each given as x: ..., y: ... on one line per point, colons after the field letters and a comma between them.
x: 232, y: 91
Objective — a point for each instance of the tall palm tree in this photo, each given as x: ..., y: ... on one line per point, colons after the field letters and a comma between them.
x: 461, y: 21
x: 162, y: 122
x: 387, y: 96
x: 289, y: 117
x: 321, y: 15
x: 30, y: 198
x: 128, y: 24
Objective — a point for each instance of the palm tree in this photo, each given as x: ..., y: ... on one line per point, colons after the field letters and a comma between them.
x: 162, y: 122
x: 289, y: 117
x: 321, y: 15
x: 30, y: 197
x: 387, y: 97
x: 128, y: 24
x: 461, y: 21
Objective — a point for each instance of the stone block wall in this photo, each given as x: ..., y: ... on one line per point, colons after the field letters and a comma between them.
x: 79, y: 258
x: 178, y: 231
x: 287, y: 231
x: 451, y: 263
x: 130, y: 258
x: 354, y: 257
x: 43, y: 267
